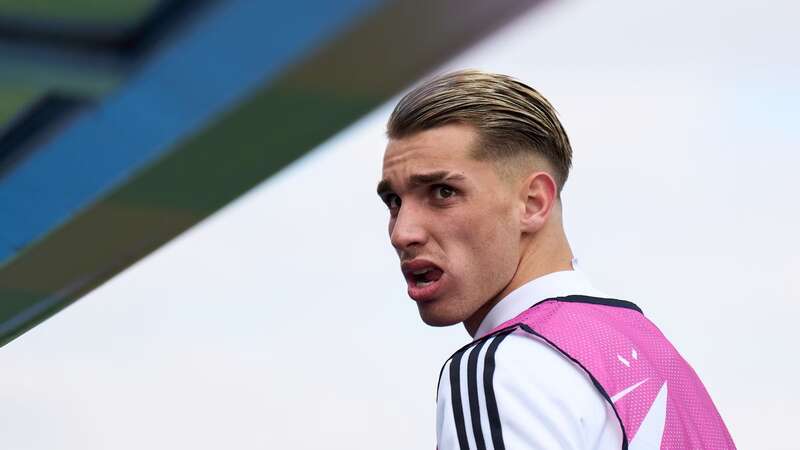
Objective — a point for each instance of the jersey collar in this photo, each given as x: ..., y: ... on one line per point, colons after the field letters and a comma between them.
x: 555, y: 284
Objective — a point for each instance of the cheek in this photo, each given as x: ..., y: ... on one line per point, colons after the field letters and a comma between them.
x: 485, y: 242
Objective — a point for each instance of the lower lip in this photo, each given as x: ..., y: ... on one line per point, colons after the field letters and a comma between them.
x: 425, y: 293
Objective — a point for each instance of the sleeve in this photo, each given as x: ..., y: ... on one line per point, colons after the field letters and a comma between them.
x: 514, y: 391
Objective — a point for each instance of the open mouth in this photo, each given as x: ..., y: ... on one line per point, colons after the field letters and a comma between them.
x: 424, y: 279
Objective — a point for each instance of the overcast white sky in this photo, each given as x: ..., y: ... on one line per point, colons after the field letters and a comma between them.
x: 282, y: 321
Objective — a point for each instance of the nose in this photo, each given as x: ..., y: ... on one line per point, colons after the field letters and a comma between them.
x: 408, y: 229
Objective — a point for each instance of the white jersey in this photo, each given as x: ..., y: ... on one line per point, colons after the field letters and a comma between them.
x: 514, y: 391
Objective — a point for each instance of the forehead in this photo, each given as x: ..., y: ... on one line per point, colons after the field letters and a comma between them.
x: 443, y: 148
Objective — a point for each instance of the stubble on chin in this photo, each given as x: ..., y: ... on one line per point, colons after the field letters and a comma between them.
x: 440, y: 313
x: 436, y: 313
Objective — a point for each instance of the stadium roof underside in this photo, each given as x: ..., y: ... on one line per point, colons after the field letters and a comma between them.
x: 125, y: 122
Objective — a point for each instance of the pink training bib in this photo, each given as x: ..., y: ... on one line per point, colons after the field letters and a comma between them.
x: 658, y: 398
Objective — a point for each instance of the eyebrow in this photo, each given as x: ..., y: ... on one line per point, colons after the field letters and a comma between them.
x: 422, y: 179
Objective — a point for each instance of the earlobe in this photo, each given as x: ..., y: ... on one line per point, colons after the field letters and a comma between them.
x: 539, y: 196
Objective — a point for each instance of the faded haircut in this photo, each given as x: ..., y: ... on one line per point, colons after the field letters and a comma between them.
x: 513, y: 120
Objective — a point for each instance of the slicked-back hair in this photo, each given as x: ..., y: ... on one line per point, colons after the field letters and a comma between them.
x: 512, y: 119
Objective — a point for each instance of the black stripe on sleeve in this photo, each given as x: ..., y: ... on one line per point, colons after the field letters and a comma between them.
x: 455, y: 395
x: 472, y: 385
x: 488, y: 387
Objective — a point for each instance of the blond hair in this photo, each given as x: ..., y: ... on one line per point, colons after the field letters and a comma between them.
x: 512, y: 119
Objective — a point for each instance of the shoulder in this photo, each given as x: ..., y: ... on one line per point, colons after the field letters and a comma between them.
x: 501, y: 386
x: 522, y: 362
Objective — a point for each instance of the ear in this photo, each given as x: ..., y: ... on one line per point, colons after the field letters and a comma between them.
x: 538, y: 195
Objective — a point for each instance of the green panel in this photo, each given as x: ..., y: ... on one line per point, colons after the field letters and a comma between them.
x: 21, y: 77
x: 106, y: 233
x: 16, y: 301
x: 21, y: 307
x: 83, y: 11
x: 14, y: 99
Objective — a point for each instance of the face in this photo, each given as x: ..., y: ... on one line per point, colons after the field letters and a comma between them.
x: 453, y: 222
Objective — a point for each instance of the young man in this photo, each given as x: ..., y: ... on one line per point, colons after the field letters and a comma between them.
x: 472, y: 176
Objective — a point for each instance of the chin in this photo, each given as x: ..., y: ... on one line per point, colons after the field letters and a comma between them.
x: 434, y: 315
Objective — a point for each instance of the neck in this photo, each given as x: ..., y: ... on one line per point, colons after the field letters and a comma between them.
x: 546, y: 252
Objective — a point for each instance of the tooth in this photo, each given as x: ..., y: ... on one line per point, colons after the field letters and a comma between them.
x: 423, y: 283
x: 420, y: 272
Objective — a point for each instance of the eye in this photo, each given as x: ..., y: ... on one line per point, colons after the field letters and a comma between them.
x: 443, y: 191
